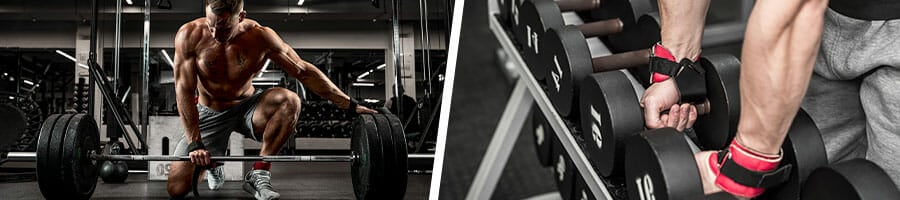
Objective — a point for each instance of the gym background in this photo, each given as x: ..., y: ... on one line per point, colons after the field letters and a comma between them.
x: 387, y: 53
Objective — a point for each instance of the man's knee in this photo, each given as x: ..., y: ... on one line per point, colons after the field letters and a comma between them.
x: 179, y: 179
x: 287, y: 100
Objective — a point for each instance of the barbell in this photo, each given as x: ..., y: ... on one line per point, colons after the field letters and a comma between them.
x: 68, y: 157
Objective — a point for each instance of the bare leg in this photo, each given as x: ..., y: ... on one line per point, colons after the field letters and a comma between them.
x: 179, y: 183
x: 276, y: 116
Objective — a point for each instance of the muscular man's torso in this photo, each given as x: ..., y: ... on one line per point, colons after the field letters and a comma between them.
x: 225, y: 70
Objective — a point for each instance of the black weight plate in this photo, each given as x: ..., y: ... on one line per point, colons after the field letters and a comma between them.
x: 716, y: 129
x: 47, y: 175
x: 80, y: 171
x: 610, y: 113
x: 367, y: 169
x: 659, y: 164
x: 388, y: 186
x: 12, y: 126
x: 581, y: 191
x: 629, y: 12
x: 566, y: 60
x: 644, y: 35
x: 53, y: 171
x: 563, y: 171
x: 400, y: 168
x: 532, y: 18
x: 805, y: 150
x: 850, y: 180
x: 544, y: 137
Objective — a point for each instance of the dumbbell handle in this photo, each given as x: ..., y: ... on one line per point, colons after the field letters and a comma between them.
x: 621, y: 60
x: 577, y: 5
x: 601, y: 28
x: 702, y: 108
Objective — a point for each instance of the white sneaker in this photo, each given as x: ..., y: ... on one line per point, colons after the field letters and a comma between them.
x: 258, y: 183
x: 215, y: 177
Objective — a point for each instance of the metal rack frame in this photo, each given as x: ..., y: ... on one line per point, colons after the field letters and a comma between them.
x: 525, y: 93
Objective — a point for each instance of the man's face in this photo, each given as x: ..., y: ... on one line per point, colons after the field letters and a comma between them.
x: 222, y: 25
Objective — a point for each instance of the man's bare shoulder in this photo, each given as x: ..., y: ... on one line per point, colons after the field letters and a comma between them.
x: 193, y: 25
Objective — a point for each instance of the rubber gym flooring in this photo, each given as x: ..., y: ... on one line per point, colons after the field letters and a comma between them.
x: 292, y: 180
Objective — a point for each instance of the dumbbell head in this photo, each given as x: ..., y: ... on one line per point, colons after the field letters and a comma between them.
x: 530, y: 20
x: 568, y: 61
x: 648, y: 152
x: 853, y: 179
x: 804, y: 149
x: 544, y: 137
x: 609, y: 114
x: 716, y: 129
x: 629, y: 12
x: 659, y: 164
x: 563, y: 170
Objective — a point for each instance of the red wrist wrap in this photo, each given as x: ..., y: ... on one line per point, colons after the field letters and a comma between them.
x: 747, y: 159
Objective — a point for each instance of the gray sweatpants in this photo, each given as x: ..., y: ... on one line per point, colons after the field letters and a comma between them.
x: 854, y: 94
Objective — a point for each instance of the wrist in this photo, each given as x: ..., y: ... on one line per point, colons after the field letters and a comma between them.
x: 351, y: 105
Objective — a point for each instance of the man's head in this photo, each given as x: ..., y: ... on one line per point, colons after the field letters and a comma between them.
x: 223, y: 16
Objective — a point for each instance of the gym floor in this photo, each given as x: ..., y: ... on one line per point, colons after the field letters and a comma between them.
x: 292, y: 180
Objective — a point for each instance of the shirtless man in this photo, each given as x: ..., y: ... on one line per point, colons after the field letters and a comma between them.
x: 216, y: 57
x: 779, y: 50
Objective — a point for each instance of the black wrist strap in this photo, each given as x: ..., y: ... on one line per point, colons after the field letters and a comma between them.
x: 689, y: 76
x: 351, y: 107
x: 750, y: 178
x: 193, y: 146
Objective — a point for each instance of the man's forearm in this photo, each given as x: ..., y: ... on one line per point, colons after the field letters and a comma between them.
x: 682, y: 26
x: 318, y: 83
x: 783, y: 39
x: 187, y: 109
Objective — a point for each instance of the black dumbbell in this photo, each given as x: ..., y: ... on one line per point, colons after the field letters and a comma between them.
x: 563, y: 169
x: 854, y: 179
x: 529, y: 21
x: 660, y: 164
x: 544, y: 137
x: 610, y: 112
x: 566, y: 59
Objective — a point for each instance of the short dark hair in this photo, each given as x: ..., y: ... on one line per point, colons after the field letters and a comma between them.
x: 220, y: 6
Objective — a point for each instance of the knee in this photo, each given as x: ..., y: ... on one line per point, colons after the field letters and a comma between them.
x: 178, y: 184
x: 177, y: 190
x: 288, y: 102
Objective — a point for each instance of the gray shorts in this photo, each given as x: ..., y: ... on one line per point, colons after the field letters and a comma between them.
x: 854, y: 93
x: 216, y: 126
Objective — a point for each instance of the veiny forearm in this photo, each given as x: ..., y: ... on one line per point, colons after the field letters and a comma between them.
x: 682, y: 26
x: 782, y: 40
x: 187, y: 109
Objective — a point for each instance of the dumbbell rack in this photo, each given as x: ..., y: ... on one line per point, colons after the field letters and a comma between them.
x: 526, y: 92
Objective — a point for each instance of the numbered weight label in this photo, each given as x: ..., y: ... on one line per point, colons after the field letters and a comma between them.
x: 561, y: 168
x: 595, y: 127
x: 645, y: 187
x: 557, y: 73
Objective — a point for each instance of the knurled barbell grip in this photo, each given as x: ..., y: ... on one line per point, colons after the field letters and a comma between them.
x: 318, y: 158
